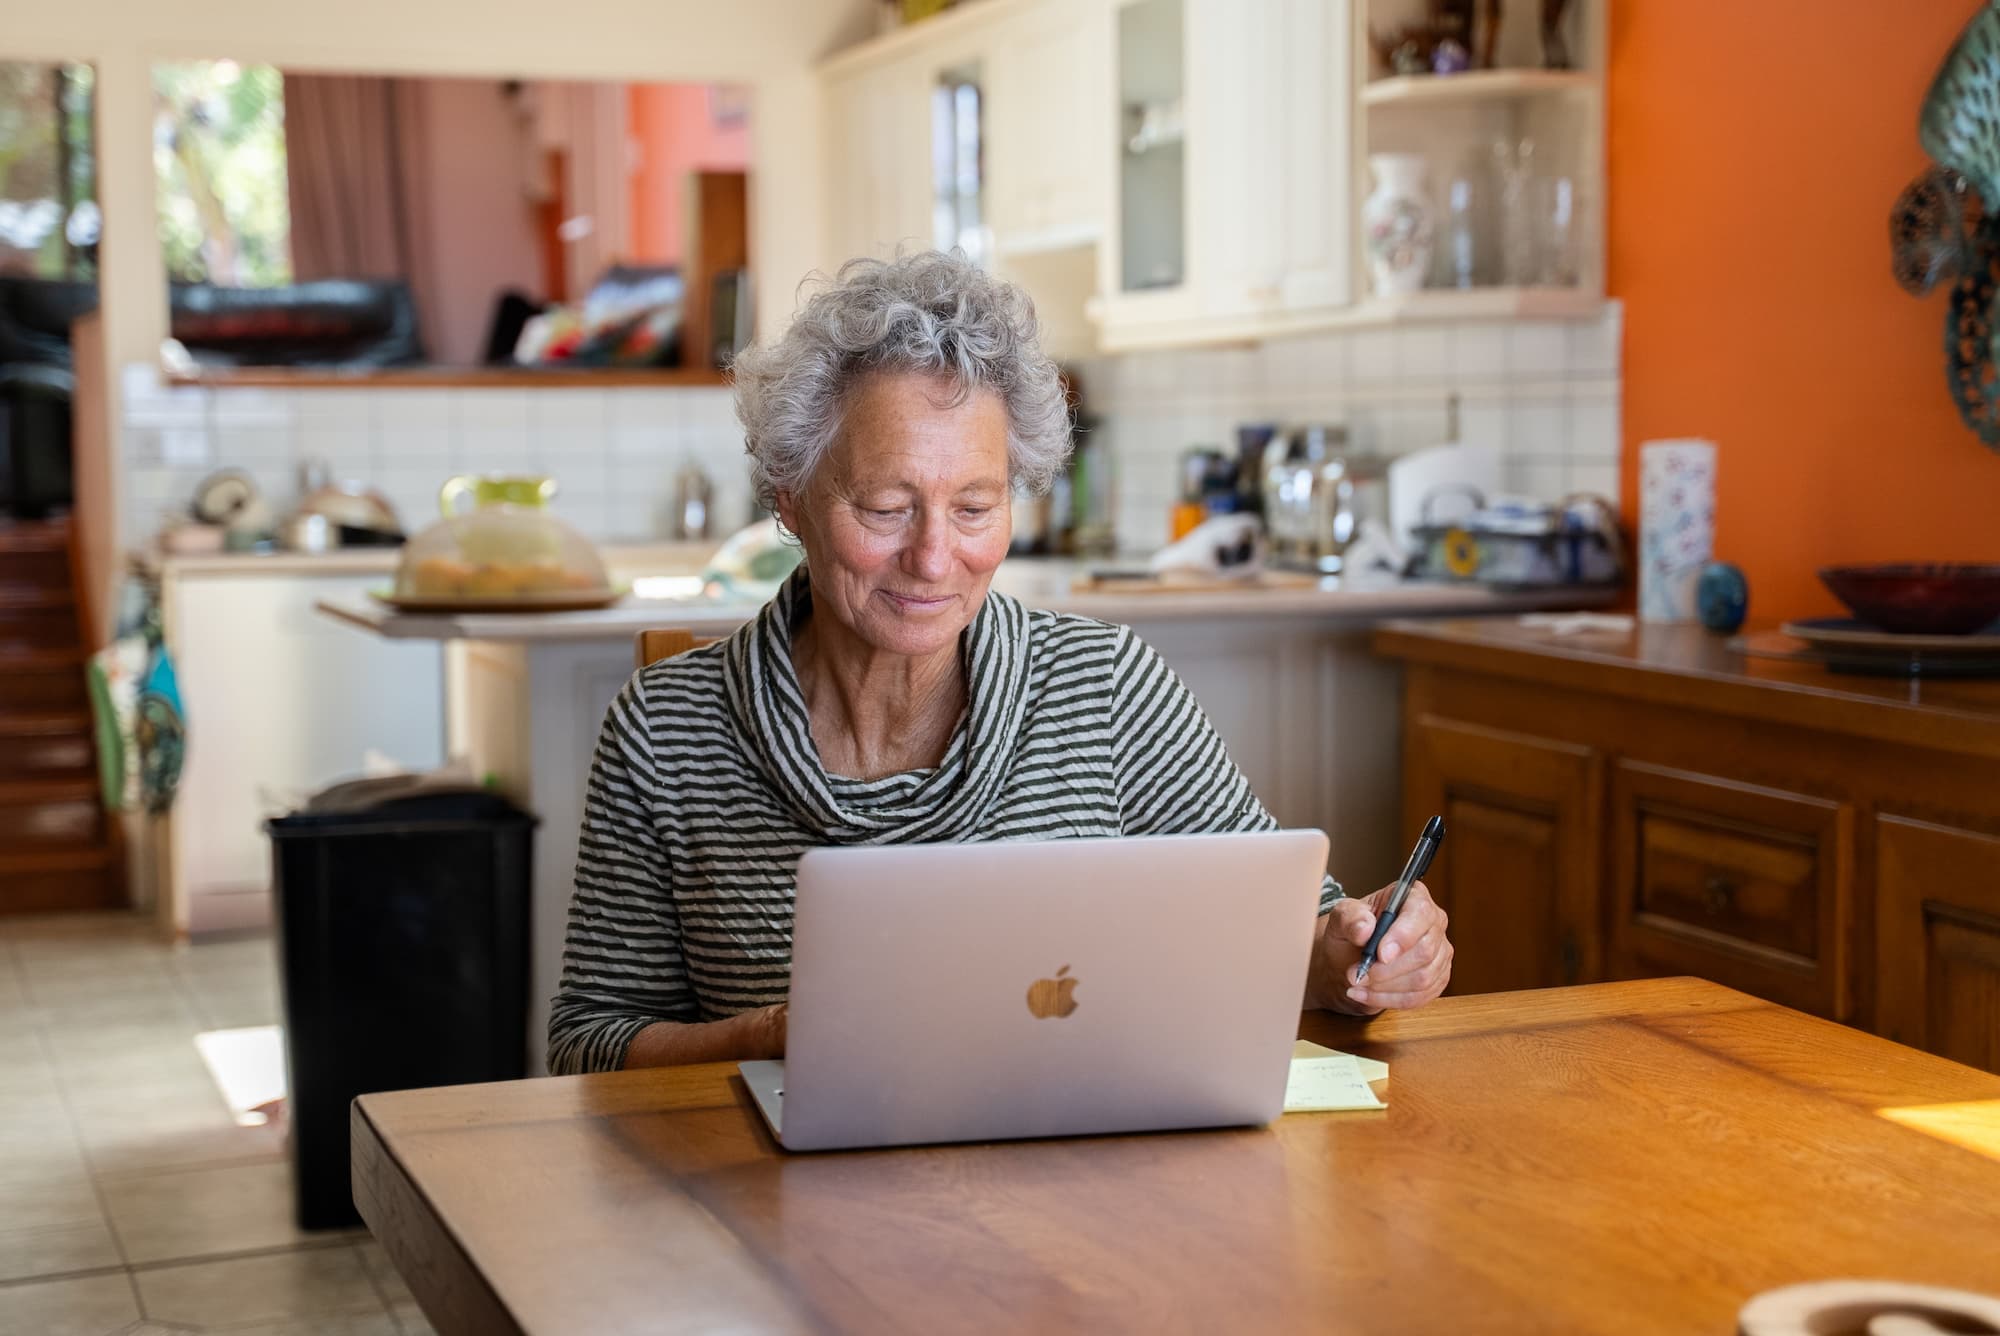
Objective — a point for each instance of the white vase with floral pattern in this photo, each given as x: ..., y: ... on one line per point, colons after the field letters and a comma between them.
x: 1399, y: 223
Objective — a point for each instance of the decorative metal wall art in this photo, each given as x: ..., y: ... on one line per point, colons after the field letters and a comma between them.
x: 1942, y: 227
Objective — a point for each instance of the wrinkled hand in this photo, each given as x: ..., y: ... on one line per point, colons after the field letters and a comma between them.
x: 1413, y: 964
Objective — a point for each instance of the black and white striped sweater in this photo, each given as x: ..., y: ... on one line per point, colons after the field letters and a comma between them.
x: 706, y: 789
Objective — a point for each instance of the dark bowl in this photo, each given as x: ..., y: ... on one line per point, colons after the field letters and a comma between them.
x: 1919, y: 598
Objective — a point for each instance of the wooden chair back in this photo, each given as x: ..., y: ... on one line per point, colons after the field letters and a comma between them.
x: 666, y: 642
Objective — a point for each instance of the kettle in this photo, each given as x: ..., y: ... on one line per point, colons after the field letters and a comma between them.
x: 1315, y: 497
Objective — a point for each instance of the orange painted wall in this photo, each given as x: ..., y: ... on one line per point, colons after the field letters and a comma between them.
x: 674, y: 134
x: 1755, y: 150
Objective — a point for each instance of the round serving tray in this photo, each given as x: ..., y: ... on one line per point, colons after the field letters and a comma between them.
x: 1850, y: 634
x: 569, y: 600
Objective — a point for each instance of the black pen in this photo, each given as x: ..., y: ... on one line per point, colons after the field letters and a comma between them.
x: 1420, y: 863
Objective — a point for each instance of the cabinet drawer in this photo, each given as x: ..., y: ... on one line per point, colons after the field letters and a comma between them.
x: 1741, y: 884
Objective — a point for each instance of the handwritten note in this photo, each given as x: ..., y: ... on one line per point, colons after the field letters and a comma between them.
x: 1323, y: 1080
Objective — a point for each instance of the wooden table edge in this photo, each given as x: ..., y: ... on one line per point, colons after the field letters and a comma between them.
x: 457, y: 1297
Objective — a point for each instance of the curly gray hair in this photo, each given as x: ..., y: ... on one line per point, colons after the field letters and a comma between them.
x: 932, y: 312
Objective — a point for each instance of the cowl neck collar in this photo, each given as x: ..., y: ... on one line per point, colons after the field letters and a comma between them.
x: 768, y: 709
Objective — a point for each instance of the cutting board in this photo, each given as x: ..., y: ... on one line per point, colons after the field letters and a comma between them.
x: 1191, y: 582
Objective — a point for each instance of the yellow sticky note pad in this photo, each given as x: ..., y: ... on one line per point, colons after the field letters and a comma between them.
x: 1322, y: 1084
x: 1371, y: 1069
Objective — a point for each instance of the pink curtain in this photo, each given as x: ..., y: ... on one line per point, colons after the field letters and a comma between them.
x: 355, y: 147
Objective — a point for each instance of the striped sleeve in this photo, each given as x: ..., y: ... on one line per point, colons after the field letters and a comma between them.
x: 1174, y: 775
x: 622, y: 962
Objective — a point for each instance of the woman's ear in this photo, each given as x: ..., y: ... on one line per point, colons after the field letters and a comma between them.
x: 787, y: 505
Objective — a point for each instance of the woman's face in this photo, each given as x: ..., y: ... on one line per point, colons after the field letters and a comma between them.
x: 909, y: 514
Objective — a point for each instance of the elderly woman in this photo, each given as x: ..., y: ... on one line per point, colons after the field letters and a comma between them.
x: 886, y: 694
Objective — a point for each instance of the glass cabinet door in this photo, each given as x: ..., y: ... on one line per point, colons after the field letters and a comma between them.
x: 1152, y: 172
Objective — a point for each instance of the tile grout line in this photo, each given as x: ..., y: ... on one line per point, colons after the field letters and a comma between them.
x: 83, y: 1148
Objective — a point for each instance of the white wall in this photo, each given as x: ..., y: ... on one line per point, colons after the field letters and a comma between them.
x: 481, y: 220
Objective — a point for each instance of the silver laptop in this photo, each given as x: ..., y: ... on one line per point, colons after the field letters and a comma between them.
x: 974, y: 992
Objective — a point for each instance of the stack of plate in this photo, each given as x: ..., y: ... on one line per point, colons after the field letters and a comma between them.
x: 1849, y: 645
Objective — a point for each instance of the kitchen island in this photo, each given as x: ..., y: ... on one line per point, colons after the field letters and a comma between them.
x: 1286, y: 675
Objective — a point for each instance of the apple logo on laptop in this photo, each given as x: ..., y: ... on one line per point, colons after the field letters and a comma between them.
x: 1052, y: 997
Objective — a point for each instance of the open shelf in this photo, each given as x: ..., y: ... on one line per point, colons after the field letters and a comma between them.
x: 455, y: 377
x: 1474, y: 86
x: 1479, y: 304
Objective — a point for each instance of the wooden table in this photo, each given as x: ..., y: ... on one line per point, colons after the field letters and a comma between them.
x: 1633, y: 1157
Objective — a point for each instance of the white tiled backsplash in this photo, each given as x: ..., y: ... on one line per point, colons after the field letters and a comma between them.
x: 1544, y: 392
x: 613, y: 452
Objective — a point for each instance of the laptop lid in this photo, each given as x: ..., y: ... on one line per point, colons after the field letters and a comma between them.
x: 1046, y: 988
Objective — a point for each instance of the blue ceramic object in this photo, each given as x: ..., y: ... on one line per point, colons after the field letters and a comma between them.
x: 1722, y: 596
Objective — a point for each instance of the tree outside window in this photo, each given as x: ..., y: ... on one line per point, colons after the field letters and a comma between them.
x: 219, y: 156
x: 49, y: 220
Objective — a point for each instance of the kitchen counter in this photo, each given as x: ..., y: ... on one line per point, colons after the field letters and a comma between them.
x: 625, y: 561
x: 1038, y: 582
x: 1286, y: 676
x: 1684, y: 667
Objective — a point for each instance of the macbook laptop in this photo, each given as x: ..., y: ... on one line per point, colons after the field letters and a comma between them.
x: 974, y: 992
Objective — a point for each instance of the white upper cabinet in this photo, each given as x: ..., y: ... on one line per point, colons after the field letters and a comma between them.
x: 1271, y: 204
x: 1231, y: 172
x: 1048, y: 111
x: 878, y: 157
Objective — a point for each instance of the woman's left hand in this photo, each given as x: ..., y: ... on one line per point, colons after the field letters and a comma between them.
x: 1411, y: 967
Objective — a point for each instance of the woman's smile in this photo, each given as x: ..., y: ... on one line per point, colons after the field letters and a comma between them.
x: 918, y: 604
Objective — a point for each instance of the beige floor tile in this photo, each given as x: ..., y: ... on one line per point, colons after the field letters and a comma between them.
x: 54, y: 1250
x: 168, y: 1130
x: 383, y: 1272
x: 236, y: 1008
x: 33, y: 1123
x: 113, y: 970
x: 117, y: 1015
x: 410, y: 1320
x: 311, y: 1283
x: 202, y: 1212
x: 362, y: 1324
x: 80, y: 1306
x: 172, y: 1074
x: 73, y: 1046
x: 24, y: 1070
x: 53, y: 1223
x: 58, y: 1156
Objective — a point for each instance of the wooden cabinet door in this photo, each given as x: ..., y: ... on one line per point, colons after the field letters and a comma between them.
x: 1521, y: 858
x: 1733, y: 882
x: 1937, y: 939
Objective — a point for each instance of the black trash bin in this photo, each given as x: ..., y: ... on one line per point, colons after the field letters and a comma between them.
x: 403, y: 951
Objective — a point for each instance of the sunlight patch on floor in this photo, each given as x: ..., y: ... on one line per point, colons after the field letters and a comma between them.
x: 248, y: 1067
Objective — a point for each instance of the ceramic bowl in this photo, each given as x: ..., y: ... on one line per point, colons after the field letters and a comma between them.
x: 1919, y: 598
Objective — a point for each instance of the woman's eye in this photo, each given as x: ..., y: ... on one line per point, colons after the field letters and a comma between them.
x: 975, y: 512
x: 884, y: 514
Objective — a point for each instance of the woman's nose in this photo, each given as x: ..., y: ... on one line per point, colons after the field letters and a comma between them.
x: 930, y: 551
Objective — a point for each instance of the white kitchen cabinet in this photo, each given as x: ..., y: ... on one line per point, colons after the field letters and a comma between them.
x: 1263, y: 193
x: 279, y: 702
x: 1048, y: 109
x: 878, y: 122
